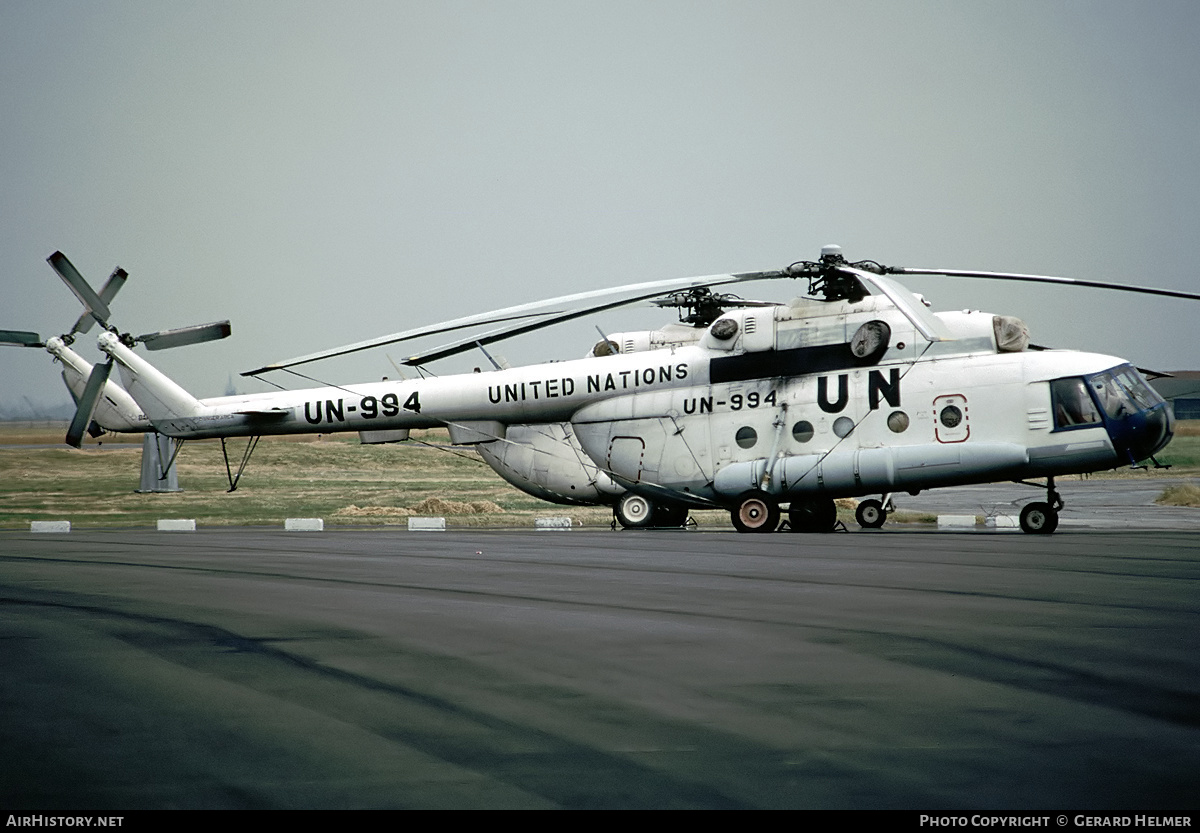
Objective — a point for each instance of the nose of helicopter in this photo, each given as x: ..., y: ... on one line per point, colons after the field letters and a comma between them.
x: 1139, y: 435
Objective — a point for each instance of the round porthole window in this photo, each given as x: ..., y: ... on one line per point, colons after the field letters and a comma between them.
x: 842, y: 426
x: 802, y: 431
x: 746, y: 437
x: 898, y: 422
x: 950, y: 416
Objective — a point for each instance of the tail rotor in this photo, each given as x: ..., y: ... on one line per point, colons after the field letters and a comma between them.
x: 96, y: 310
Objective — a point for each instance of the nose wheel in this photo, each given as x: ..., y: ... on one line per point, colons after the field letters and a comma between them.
x: 1041, y: 518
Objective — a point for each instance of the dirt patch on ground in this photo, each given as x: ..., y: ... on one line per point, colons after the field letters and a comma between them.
x: 429, y: 506
x: 441, y: 506
x: 1180, y: 494
x: 353, y: 511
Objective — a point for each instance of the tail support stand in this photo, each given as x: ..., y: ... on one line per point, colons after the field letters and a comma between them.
x: 157, y: 476
x: 251, y: 444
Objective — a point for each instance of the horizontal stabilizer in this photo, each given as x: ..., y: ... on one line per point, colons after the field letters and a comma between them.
x: 272, y: 413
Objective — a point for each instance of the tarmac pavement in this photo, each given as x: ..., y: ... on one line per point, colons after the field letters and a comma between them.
x: 918, y: 670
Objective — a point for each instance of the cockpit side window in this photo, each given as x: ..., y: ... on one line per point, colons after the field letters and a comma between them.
x: 1073, y: 407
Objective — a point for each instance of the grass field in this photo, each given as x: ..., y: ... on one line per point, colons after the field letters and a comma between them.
x: 332, y: 477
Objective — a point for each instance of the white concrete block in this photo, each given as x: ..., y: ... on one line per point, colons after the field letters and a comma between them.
x: 955, y: 521
x: 426, y: 524
x: 50, y: 526
x: 177, y: 525
x: 552, y: 523
x: 1003, y: 522
x: 304, y: 524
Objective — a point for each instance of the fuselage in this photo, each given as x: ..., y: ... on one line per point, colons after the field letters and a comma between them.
x: 837, y: 398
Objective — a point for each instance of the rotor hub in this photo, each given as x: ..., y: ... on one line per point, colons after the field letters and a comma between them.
x: 702, y: 305
x: 829, y: 278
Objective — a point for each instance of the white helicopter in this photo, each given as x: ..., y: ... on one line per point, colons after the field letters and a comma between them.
x: 855, y: 390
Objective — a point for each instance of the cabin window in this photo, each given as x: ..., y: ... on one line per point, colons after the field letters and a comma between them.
x: 842, y: 426
x: 1073, y: 407
x: 746, y: 437
x: 951, y: 416
x: 897, y: 421
x: 802, y: 431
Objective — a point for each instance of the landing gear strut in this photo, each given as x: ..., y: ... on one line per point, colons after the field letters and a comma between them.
x: 1040, y: 518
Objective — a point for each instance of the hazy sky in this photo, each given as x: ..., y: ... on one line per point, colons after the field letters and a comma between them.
x: 321, y: 172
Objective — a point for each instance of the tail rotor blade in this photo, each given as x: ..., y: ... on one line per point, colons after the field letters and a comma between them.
x: 19, y: 338
x: 88, y: 402
x: 109, y: 291
x: 83, y: 291
x: 182, y: 336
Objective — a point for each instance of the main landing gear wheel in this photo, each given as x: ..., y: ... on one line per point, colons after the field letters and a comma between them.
x: 813, y: 515
x: 870, y: 514
x: 755, y: 511
x: 669, y: 517
x: 1039, y: 518
x: 634, y: 511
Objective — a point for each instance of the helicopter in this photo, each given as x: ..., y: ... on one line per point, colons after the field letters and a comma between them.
x: 854, y: 389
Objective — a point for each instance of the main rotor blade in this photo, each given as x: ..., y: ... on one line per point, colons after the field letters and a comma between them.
x: 88, y: 402
x: 407, y: 335
x: 927, y: 324
x: 642, y: 292
x: 83, y: 291
x: 19, y: 338
x: 182, y: 336
x: 107, y: 292
x: 469, y: 343
x: 1014, y: 276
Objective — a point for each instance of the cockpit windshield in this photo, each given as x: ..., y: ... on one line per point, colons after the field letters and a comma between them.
x: 1122, y: 391
x: 1118, y: 392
